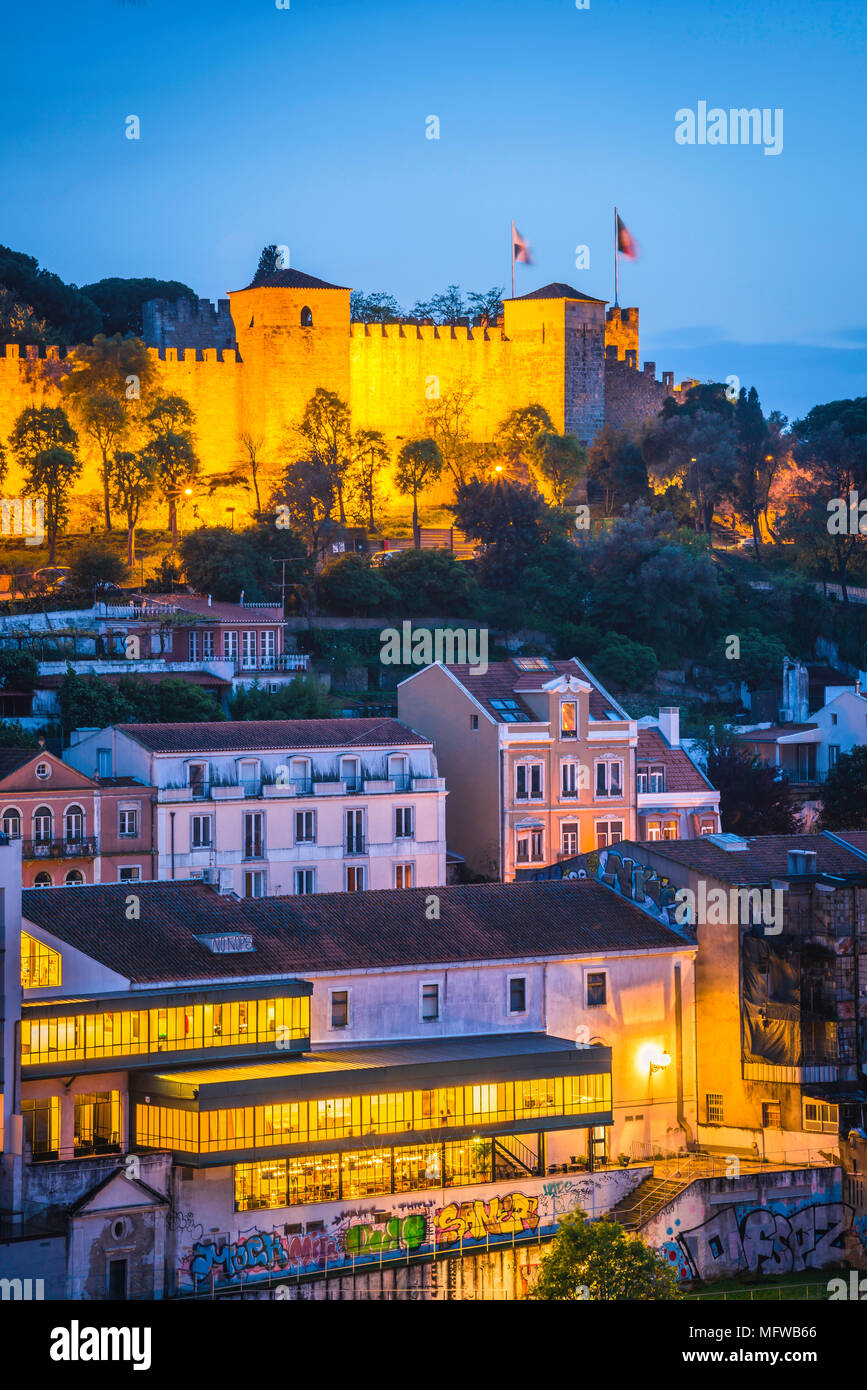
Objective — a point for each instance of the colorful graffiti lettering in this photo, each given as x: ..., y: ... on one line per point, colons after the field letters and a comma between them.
x: 398, y: 1233
x: 761, y: 1241
x: 266, y: 1250
x: 476, y: 1220
x: 646, y: 888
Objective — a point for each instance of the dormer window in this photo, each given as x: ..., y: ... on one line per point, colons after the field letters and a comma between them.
x: 350, y: 773
x: 650, y: 777
x: 568, y: 718
x: 398, y: 771
x: 300, y: 775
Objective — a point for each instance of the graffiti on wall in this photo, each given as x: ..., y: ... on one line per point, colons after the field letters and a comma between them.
x: 262, y: 1252
x: 760, y: 1240
x: 653, y: 892
x: 394, y: 1233
x: 461, y: 1221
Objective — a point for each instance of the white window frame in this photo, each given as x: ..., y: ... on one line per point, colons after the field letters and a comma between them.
x: 207, y: 817
x: 355, y: 869
x: 607, y: 794
x: 517, y: 1013
x: 564, y: 735
x: 249, y: 649
x: 577, y: 825
x: 11, y: 811
x: 263, y: 880
x: 403, y: 812
x: 585, y: 986
x: 263, y: 854
x: 422, y: 986
x: 129, y: 868
x: 128, y: 811
x: 230, y: 645
x: 405, y: 865
x: 305, y: 839
x: 208, y: 644
x: 43, y: 771
x: 339, y: 1027
x: 527, y: 764
x: 268, y: 648
x: 574, y: 766
x: 607, y: 822
x: 193, y: 645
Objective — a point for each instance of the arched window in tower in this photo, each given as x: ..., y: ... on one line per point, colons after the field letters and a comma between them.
x: 306, y: 317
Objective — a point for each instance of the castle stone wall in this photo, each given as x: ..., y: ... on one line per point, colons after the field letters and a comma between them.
x: 181, y: 324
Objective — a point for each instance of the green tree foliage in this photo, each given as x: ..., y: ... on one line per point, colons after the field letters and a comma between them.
x: 844, y: 793
x: 350, y: 586
x: 760, y: 663
x: 560, y: 462
x: 325, y: 438
x: 370, y: 456
x: 446, y: 307
x: 19, y: 323
x: 616, y: 471
x: 622, y: 664
x: 225, y: 563
x: 14, y: 735
x: 305, y: 502
x: 95, y: 568
x: 176, y: 464
x: 18, y: 670
x: 510, y: 520
x: 760, y: 449
x: 104, y: 387
x: 300, y: 699
x: 71, y: 317
x: 753, y: 799
x: 132, y: 480
x: 376, y: 307
x: 430, y: 582
x: 448, y: 422
x: 268, y: 264
x: 833, y: 458
x: 43, y: 441
x: 419, y: 464
x: 597, y: 1260
x: 120, y: 300
x: 487, y: 305
x: 92, y: 702
x: 694, y: 443
x: 516, y: 437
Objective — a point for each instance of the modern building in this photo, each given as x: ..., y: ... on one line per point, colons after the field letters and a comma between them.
x: 541, y: 762
x: 284, y: 806
x: 75, y: 829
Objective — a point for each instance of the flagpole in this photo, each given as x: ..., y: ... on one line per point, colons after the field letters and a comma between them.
x: 616, y: 291
x: 512, y: 253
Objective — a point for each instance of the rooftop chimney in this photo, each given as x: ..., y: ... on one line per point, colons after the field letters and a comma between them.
x: 669, y: 725
x: 209, y: 600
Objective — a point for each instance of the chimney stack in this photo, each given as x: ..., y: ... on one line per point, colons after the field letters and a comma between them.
x: 669, y: 725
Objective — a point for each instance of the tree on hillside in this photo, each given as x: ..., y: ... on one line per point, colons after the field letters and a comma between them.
x: 95, y: 568
x: 370, y: 456
x: 560, y: 461
x: 170, y: 420
x: 760, y: 449
x: 597, y: 1260
x: 70, y: 316
x: 172, y: 700
x: 43, y: 441
x: 446, y: 307
x: 377, y: 307
x: 305, y: 501
x: 430, y: 581
x: 19, y: 323
x: 252, y: 446
x: 132, y: 480
x: 697, y: 449
x: 351, y: 586
x: 120, y: 300
x: 105, y: 387
x: 488, y: 305
x: 511, y: 521
x: 448, y: 422
x: 616, y: 471
x: 14, y: 735
x: 515, y: 438
x: 833, y: 463
x: 18, y: 670
x: 754, y: 800
x: 326, y: 437
x: 844, y: 793
x: 419, y: 464
x: 227, y: 563
x: 299, y: 699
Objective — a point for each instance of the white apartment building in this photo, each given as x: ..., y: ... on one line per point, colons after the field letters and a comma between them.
x: 272, y: 807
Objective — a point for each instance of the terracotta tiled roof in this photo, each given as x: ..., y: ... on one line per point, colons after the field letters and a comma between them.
x: 337, y: 931
x: 503, y: 680
x: 765, y: 857
x: 558, y: 290
x: 775, y: 731
x: 11, y: 759
x: 293, y: 280
x: 681, y: 773
x: 250, y: 735
x: 227, y: 612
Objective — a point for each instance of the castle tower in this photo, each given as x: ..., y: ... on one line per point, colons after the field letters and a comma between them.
x: 568, y: 330
x: 293, y: 336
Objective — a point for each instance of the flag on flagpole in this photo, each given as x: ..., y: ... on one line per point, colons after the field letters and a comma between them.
x: 626, y: 244
x: 520, y: 248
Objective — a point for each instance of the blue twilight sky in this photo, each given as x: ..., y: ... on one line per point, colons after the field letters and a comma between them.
x: 306, y: 127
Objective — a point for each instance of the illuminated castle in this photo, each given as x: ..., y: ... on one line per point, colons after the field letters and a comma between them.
x: 253, y: 362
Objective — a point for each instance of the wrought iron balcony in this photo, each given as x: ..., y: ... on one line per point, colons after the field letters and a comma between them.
x: 83, y: 848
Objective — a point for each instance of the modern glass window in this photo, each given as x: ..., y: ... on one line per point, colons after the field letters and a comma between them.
x: 305, y: 881
x: 608, y: 832
x: 230, y: 646
x: 355, y: 879
x: 128, y: 822
x: 510, y: 712
x: 343, y: 1117
x: 12, y: 823
x: 403, y: 875
x: 569, y: 837
x: 403, y: 828
x: 430, y: 1003
x: 528, y: 782
x: 517, y: 994
x: 305, y: 827
x: 201, y: 833
x: 254, y: 883
x: 40, y: 965
x: 97, y: 1122
x: 609, y: 778
x: 42, y: 1126
x: 254, y: 835
x: 177, y: 1028
x: 568, y: 718
x: 339, y: 1008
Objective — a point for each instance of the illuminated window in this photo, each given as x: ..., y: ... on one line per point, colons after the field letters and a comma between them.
x: 42, y: 1126
x: 403, y: 875
x: 654, y: 830
x: 568, y: 719
x: 40, y: 965
x: 669, y: 830
x: 97, y: 1122
x: 260, y: 1186
x: 364, y: 1173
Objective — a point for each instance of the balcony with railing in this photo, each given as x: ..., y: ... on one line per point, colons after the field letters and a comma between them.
x: 84, y: 847
x: 286, y: 661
